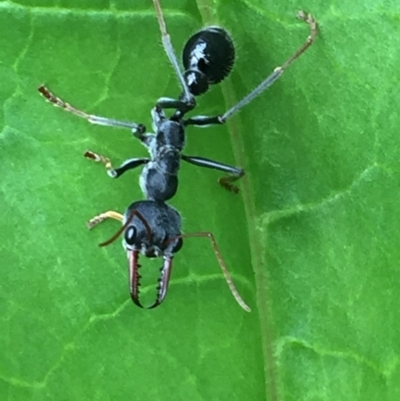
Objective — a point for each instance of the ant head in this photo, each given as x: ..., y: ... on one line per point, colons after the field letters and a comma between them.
x: 208, y: 57
x: 152, y: 228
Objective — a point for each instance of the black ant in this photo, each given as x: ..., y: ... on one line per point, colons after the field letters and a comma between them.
x: 153, y: 229
x: 208, y: 57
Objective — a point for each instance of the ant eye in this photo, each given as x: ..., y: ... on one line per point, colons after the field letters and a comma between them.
x: 130, y: 235
x: 178, y: 246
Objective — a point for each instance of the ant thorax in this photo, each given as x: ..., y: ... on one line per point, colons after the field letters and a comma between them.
x: 159, y: 178
x: 170, y: 133
x: 169, y: 136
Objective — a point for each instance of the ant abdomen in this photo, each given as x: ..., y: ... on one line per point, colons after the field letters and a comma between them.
x: 208, y: 57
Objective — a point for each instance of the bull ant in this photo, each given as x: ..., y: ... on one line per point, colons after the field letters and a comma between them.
x: 151, y: 227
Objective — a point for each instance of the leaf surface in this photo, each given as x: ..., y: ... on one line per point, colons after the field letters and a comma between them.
x: 312, y: 241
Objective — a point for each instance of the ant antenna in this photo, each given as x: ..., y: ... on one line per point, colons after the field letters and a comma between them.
x: 222, y: 264
x: 166, y: 41
x: 116, y: 216
x: 308, y: 18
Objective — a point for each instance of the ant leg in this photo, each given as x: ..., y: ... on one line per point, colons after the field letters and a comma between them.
x: 181, y: 107
x: 278, y: 70
x: 103, y: 216
x: 170, y: 103
x: 56, y: 101
x: 115, y: 173
x: 223, y: 266
x: 127, y: 165
x: 204, y: 120
x: 187, y: 99
x: 226, y: 182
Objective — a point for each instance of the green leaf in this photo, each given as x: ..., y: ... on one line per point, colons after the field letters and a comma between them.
x: 312, y: 241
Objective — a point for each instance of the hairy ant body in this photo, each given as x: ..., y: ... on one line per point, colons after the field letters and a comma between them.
x: 151, y: 227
